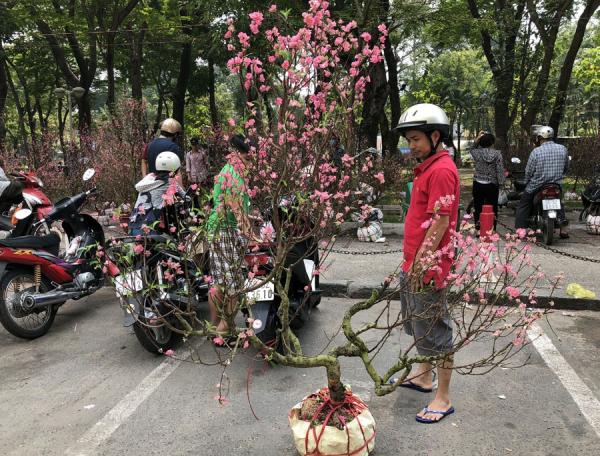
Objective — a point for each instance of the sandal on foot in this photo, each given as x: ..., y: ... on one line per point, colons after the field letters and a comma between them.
x: 426, y: 410
x: 411, y: 385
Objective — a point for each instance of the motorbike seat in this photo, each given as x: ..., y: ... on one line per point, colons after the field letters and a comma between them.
x: 50, y: 243
x: 539, y: 193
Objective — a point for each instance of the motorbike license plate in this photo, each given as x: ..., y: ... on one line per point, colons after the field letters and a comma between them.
x: 553, y: 204
x: 264, y: 293
x: 129, y: 283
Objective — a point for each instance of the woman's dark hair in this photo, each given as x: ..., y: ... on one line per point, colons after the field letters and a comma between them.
x: 487, y: 140
x: 194, y: 141
x: 239, y: 142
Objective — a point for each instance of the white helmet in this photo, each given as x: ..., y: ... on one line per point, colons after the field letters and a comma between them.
x: 167, y: 161
x: 424, y: 117
x: 545, y: 132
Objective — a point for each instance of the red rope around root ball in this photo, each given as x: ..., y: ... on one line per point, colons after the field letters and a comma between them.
x: 351, y: 404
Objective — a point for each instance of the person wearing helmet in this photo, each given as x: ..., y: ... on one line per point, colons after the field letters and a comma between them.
x: 548, y: 163
x: 170, y: 131
x: 431, y: 216
x: 10, y: 192
x: 151, y: 189
x: 228, y: 229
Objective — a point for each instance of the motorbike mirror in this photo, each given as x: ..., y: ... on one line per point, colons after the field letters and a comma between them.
x: 89, y: 173
x: 515, y: 160
x: 22, y: 214
x: 570, y: 158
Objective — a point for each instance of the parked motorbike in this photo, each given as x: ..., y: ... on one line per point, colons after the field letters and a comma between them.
x: 303, y: 294
x: 151, y: 303
x: 547, y: 203
x: 35, y: 200
x: 35, y: 281
x: 590, y: 198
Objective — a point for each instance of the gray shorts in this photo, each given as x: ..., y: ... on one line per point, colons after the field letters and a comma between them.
x: 426, y: 318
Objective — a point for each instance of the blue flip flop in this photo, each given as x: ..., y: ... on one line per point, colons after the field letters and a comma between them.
x: 450, y: 411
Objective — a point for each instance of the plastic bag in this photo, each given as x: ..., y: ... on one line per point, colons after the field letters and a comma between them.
x: 357, y: 439
x: 502, y: 197
x: 577, y: 291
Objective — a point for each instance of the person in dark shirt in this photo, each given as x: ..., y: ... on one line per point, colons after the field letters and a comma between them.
x: 170, y: 130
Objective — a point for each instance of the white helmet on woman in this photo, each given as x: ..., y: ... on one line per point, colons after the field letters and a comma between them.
x: 167, y: 161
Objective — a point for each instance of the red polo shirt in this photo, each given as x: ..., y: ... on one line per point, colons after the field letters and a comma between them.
x: 435, y: 179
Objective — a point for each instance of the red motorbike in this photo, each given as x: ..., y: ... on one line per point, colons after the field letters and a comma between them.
x: 35, y: 281
x: 34, y: 208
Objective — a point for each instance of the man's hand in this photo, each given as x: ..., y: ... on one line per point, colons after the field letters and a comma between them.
x: 415, y: 279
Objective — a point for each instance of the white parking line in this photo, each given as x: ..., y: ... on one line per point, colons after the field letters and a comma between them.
x: 104, y: 428
x: 579, y: 391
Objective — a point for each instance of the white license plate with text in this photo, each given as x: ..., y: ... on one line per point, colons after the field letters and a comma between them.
x: 129, y: 283
x: 553, y: 204
x: 264, y: 293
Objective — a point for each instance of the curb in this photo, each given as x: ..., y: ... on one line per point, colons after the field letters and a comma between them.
x: 351, y: 290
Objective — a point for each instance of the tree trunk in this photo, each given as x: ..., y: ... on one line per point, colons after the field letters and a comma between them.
x: 109, y: 58
x: 548, y: 39
x: 214, y: 114
x: 85, y: 113
x: 375, y: 98
x: 136, y: 44
x: 334, y: 382
x: 390, y: 139
x: 185, y: 70
x: 22, y: 137
x: 3, y: 96
x: 567, y: 67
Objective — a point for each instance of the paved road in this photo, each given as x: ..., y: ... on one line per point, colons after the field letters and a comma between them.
x: 54, y: 391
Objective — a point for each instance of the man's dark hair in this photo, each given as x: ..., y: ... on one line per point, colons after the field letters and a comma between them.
x: 240, y: 143
x: 487, y: 140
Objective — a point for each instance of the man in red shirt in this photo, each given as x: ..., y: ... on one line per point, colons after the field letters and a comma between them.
x: 432, y: 214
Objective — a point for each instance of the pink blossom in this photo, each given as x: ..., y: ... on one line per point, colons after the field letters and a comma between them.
x: 426, y: 224
x: 169, y: 276
x: 513, y: 292
x: 218, y: 340
x: 366, y: 36
x: 521, y: 232
x: 273, y: 8
x: 380, y: 177
x: 256, y: 20
x: 244, y: 39
x: 169, y: 352
x: 138, y: 248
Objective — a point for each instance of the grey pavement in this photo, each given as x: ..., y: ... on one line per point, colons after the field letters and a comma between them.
x: 355, y: 275
x: 55, y: 389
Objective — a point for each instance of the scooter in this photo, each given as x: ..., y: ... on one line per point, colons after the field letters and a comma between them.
x: 35, y: 281
x: 303, y: 294
x: 35, y: 200
x: 153, y: 300
x: 590, y: 198
x: 546, y: 211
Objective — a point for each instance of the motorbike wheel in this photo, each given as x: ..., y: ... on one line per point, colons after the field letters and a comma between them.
x: 548, y: 234
x: 21, y: 322
x: 157, y: 345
